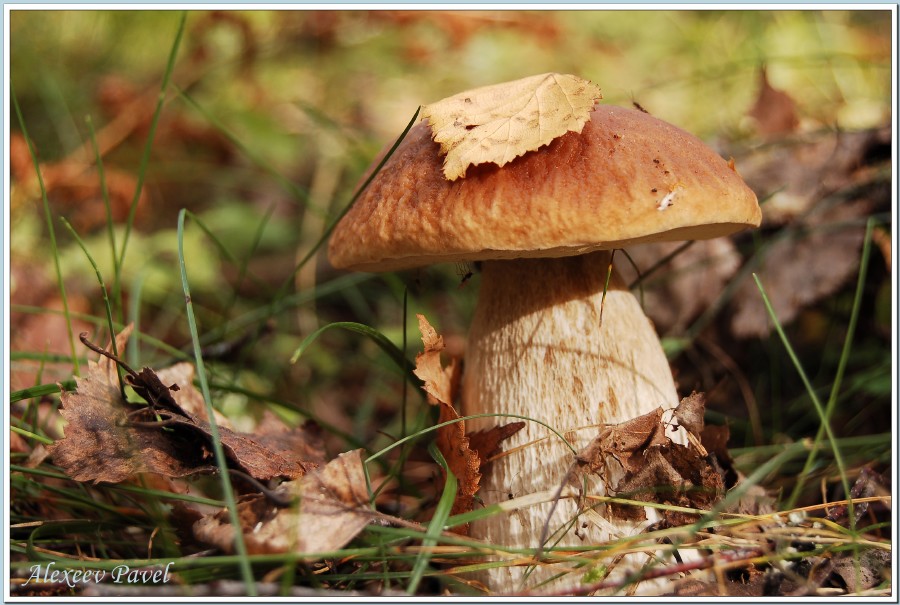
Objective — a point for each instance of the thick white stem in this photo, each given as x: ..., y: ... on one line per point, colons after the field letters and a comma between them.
x: 537, y: 348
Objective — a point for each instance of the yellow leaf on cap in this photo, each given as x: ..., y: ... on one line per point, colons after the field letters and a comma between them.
x: 501, y: 122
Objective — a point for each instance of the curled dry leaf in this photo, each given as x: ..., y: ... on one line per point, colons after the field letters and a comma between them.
x: 655, y: 468
x: 100, y: 446
x: 332, y: 508
x: 105, y: 440
x: 441, y: 384
x: 624, y: 442
x: 690, y: 411
x: 499, y: 123
x: 674, y: 474
x: 486, y: 443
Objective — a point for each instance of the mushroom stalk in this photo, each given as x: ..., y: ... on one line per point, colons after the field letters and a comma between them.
x: 537, y: 348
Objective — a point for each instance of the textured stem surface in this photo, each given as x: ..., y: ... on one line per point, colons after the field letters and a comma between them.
x: 537, y: 347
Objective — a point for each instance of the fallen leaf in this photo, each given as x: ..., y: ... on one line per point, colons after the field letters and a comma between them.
x: 674, y: 474
x: 441, y: 384
x: 714, y: 440
x: 656, y: 469
x: 775, y: 111
x: 866, y: 485
x: 690, y: 411
x: 816, y: 259
x: 332, y: 508
x: 754, y: 500
x: 438, y: 380
x: 108, y: 439
x: 794, y: 176
x: 99, y: 445
x: 863, y: 570
x: 486, y: 442
x: 302, y: 444
x: 187, y: 398
x: 499, y: 123
x: 624, y: 442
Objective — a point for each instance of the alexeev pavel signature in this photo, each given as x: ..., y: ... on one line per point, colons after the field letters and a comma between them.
x: 120, y: 574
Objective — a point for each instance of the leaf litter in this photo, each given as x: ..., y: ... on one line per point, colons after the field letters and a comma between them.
x: 656, y: 469
x: 332, y: 508
x: 108, y: 439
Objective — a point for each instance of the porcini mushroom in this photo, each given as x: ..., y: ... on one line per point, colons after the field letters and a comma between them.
x: 544, y: 226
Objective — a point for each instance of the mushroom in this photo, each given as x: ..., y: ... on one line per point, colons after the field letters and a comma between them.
x: 551, y: 338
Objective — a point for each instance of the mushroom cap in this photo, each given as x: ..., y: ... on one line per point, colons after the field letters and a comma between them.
x: 627, y: 178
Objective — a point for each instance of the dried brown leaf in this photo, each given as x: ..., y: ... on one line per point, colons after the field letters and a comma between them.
x: 775, y: 111
x: 486, y: 442
x: 252, y: 457
x: 754, y: 500
x: 801, y: 270
x: 624, y: 442
x: 864, y: 570
x: 690, y: 411
x: 795, y: 176
x: 677, y: 475
x: 440, y: 384
x: 100, y: 446
x: 715, y: 439
x: 499, y: 123
x: 674, y: 474
x: 104, y: 443
x: 188, y: 398
x: 263, y: 455
x: 303, y: 444
x: 438, y: 380
x: 332, y: 508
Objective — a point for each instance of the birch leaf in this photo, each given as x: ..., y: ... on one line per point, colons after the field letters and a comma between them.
x: 499, y: 123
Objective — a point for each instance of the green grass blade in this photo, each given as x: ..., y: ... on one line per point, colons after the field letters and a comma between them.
x: 145, y: 158
x: 295, y: 190
x: 117, y: 269
x: 134, y: 316
x: 109, y: 317
x: 49, y: 218
x: 438, y: 520
x: 418, y: 434
x: 353, y: 199
x: 30, y: 435
x: 224, y: 478
x: 842, y: 363
x: 823, y: 417
x: 40, y: 391
x: 377, y: 337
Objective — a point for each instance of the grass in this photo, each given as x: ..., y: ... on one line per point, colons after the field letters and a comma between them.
x: 353, y: 377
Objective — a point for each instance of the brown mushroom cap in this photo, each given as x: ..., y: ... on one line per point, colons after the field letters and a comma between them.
x: 627, y: 178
